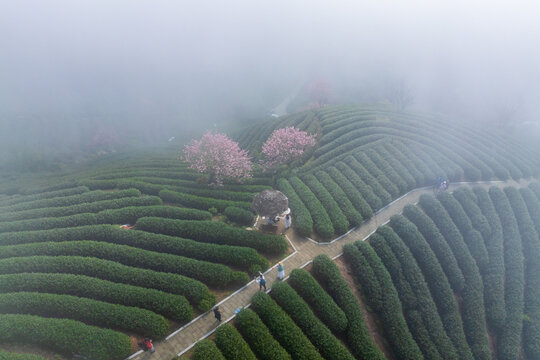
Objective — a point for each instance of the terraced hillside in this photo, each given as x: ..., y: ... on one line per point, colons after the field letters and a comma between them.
x: 368, y: 156
x: 454, y: 277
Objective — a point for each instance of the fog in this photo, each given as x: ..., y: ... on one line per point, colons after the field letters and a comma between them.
x: 73, y: 73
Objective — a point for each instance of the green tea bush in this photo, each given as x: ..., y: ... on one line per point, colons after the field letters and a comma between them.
x: 231, y: 344
x: 404, y: 165
x: 4, y: 355
x: 214, y: 232
x: 172, y: 306
x: 207, y: 350
x: 367, y: 185
x: 91, y: 312
x: 303, y: 223
x: 377, y: 173
x: 388, y: 170
x: 199, y: 202
x: 239, y: 215
x: 257, y: 335
x: 354, y: 195
x: 358, y: 338
x: 44, y: 195
x: 64, y: 336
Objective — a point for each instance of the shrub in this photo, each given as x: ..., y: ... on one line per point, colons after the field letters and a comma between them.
x: 321, y: 221
x: 207, y: 350
x: 44, y: 195
x: 175, y: 307
x: 258, y: 337
x: 339, y: 221
x: 231, y: 344
x: 388, y: 170
x: 283, y: 328
x: 239, y: 215
x: 303, y: 223
x: 241, y: 257
x: 367, y: 191
x: 64, y: 336
x: 315, y: 330
x: 322, y: 304
x: 375, y: 280
x: 436, y: 280
x: 438, y: 244
x: 354, y: 195
x: 209, y: 273
x: 381, y: 177
x: 215, y: 232
x: 370, y: 179
x: 91, y: 312
x: 199, y: 202
x: 468, y: 201
x: 4, y: 355
x: 405, y: 165
x: 195, y: 291
x: 358, y: 338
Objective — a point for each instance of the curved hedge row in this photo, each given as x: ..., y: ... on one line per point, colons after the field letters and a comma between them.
x: 4, y: 355
x: 283, y: 328
x: 214, y: 232
x: 231, y: 344
x: 381, y: 177
x: 382, y: 296
x: 472, y: 237
x: 388, y: 171
x: 257, y: 335
x: 370, y: 179
x: 92, y: 207
x: 64, y: 336
x: 509, y: 206
x: 199, y: 202
x: 468, y: 201
x: 473, y: 313
x: 414, y: 158
x: 531, y: 250
x: 436, y: 280
x: 353, y: 217
x: 234, y: 188
x: 320, y: 302
x: 339, y: 221
x: 207, y: 350
x: 406, y: 167
x: 239, y: 256
x: 91, y: 312
x: 428, y: 330
x: 195, y: 291
x: 319, y: 335
x: 44, y: 195
x: 438, y: 244
x: 175, y: 307
x: 209, y: 273
x: 355, y: 196
x: 321, y: 221
x: 362, y: 187
x: 239, y: 215
x: 87, y: 197
x: 303, y: 223
x: 494, y: 277
x: 115, y: 216
x: 358, y: 338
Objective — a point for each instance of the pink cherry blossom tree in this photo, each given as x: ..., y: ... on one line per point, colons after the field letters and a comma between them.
x: 219, y: 157
x: 285, y: 145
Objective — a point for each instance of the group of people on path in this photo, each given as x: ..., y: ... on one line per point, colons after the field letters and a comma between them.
x: 275, y: 220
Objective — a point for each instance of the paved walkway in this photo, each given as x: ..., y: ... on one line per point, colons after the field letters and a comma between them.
x: 305, y: 250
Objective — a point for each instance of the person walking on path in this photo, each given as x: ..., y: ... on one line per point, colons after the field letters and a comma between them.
x: 217, y: 314
x: 287, y: 222
x: 280, y: 271
x: 149, y: 345
x: 262, y: 282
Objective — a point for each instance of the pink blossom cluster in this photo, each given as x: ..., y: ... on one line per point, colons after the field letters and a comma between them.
x: 218, y: 156
x: 285, y: 145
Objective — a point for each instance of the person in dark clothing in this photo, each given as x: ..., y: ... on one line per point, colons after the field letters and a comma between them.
x: 262, y: 282
x: 217, y: 314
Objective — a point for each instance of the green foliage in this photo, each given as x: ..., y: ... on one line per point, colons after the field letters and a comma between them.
x: 358, y: 338
x: 4, y: 355
x: 195, y: 291
x: 175, y: 307
x: 371, y: 192
x: 43, y: 195
x: 388, y: 170
x: 91, y: 312
x: 320, y: 302
x: 258, y: 337
x: 64, y: 336
x: 231, y: 344
x: 408, y: 168
x: 239, y: 215
x: 199, y: 202
x: 319, y: 335
x: 303, y: 223
x: 339, y: 221
x: 436, y: 280
x: 377, y: 173
x: 207, y: 350
x: 283, y: 328
x: 241, y: 257
x: 355, y: 197
x: 214, y: 232
x: 209, y: 273
x: 381, y: 295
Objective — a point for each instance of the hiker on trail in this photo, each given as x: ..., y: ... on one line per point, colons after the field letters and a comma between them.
x: 287, y: 221
x: 217, y: 314
x: 262, y: 282
x: 148, y: 344
x: 280, y: 271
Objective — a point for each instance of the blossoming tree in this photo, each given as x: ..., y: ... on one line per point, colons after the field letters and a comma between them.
x: 219, y: 157
x: 285, y: 145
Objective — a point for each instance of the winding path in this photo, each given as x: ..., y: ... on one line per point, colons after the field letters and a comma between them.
x: 305, y: 250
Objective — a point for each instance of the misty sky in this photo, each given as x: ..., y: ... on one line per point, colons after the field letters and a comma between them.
x: 159, y: 66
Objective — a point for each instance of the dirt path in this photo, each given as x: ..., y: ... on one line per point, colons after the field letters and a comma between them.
x: 304, y: 250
